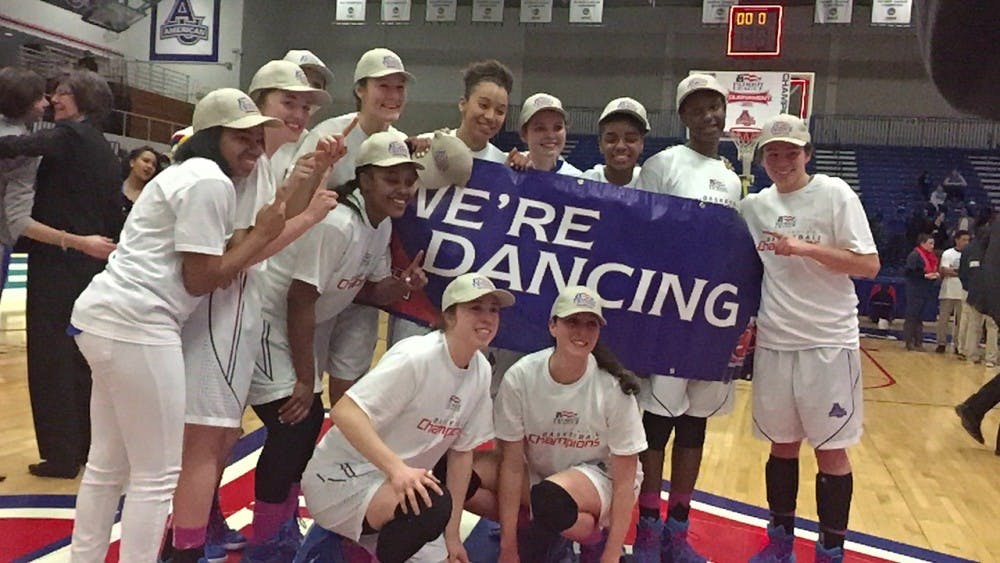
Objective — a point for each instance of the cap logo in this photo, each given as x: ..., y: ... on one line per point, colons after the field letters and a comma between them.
x: 300, y: 75
x: 303, y: 59
x: 542, y: 101
x: 697, y: 83
x: 781, y: 128
x: 441, y: 160
x: 481, y: 283
x: 389, y: 61
x: 625, y: 104
x: 584, y: 300
x: 246, y: 105
x: 398, y: 148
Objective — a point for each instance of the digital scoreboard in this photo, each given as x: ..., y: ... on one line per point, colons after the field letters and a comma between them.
x: 754, y: 31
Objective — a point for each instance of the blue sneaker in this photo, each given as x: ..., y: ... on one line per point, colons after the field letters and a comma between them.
x: 592, y: 553
x: 832, y: 555
x: 214, y: 554
x: 648, y: 540
x: 779, y: 549
x: 219, y: 533
x: 279, y: 549
x: 676, y: 548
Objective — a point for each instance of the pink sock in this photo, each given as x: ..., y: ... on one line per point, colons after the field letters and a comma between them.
x: 186, y: 538
x: 649, y: 500
x: 267, y: 520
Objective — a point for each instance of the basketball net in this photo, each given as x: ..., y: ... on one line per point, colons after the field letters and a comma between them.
x: 745, y: 139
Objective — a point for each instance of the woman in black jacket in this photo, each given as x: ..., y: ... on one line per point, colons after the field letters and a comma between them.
x: 77, y: 201
x: 921, y: 277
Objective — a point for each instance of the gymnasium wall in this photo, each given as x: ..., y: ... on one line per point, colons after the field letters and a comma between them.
x: 67, y: 28
x: 640, y: 52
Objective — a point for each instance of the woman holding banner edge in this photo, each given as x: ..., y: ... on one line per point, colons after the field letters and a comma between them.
x: 673, y: 404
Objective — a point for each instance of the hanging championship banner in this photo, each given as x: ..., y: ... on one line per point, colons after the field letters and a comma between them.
x: 716, y: 11
x: 487, y: 11
x: 185, y: 30
x: 891, y: 12
x: 536, y: 11
x: 350, y: 10
x: 441, y: 10
x: 534, y: 233
x: 396, y: 10
x: 833, y: 11
x: 586, y: 11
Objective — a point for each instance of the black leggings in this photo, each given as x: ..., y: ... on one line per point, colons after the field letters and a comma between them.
x: 287, y: 449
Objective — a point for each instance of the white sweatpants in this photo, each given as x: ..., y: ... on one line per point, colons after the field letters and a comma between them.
x: 137, y: 429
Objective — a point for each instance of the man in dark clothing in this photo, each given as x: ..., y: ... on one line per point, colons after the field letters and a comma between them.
x: 984, y: 296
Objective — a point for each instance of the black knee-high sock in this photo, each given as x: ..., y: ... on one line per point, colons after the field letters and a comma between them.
x: 833, y: 503
x: 782, y: 476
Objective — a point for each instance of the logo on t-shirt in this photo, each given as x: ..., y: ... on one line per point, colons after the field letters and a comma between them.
x: 454, y: 403
x: 837, y: 411
x: 446, y: 428
x: 785, y: 222
x: 717, y: 185
x: 566, y: 417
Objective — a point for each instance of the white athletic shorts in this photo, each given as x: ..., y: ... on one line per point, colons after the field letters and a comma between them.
x: 338, y: 496
x: 220, y: 341
x: 345, y: 344
x: 400, y: 328
x: 599, y: 475
x: 671, y: 396
x: 812, y: 395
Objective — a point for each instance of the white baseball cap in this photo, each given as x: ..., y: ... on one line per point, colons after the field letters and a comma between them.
x: 228, y: 107
x: 578, y: 299
x: 283, y: 75
x: 786, y: 128
x: 539, y: 102
x: 305, y: 58
x: 380, y: 62
x: 385, y: 149
x: 696, y: 82
x: 626, y: 106
x: 447, y: 163
x: 472, y: 286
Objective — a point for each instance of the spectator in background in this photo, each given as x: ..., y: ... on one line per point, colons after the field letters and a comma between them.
x: 921, y: 272
x: 972, y: 277
x: 952, y: 295
x: 140, y: 166
x: 924, y: 185
x: 938, y: 197
x: 77, y: 211
x: 954, y: 185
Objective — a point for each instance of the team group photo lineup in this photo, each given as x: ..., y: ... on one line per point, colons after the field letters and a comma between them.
x: 530, y: 333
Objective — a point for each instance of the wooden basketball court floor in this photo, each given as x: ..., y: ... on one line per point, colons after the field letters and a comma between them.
x: 919, y: 479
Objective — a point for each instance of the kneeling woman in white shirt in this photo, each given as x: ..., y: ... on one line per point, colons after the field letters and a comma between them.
x: 427, y: 397
x: 172, y: 253
x: 571, y: 427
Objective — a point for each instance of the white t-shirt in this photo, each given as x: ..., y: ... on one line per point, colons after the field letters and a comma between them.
x: 420, y: 403
x: 344, y: 169
x: 803, y: 303
x: 566, y: 169
x: 951, y: 286
x: 684, y: 172
x: 564, y: 425
x: 281, y: 160
x: 259, y: 187
x: 337, y: 256
x: 597, y: 174
x: 140, y: 296
x: 491, y: 153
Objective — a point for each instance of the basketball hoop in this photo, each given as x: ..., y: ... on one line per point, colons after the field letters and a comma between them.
x: 745, y: 139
